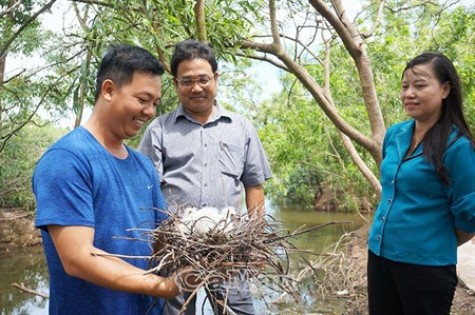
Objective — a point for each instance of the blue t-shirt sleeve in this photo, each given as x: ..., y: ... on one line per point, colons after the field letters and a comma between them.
x: 159, y: 202
x: 460, y: 163
x: 62, y: 186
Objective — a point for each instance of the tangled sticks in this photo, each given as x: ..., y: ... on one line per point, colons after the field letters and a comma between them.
x: 219, y: 244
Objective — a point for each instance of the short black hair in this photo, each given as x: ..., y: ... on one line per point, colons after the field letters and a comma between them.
x: 122, y: 61
x: 192, y: 49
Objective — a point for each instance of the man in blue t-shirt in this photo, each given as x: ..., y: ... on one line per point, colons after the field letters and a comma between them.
x: 91, y: 188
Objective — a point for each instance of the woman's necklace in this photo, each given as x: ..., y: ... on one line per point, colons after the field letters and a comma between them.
x: 417, y: 141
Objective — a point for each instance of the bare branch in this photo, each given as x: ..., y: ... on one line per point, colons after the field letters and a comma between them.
x: 354, y: 44
x: 263, y: 58
x: 297, y: 41
x: 160, y: 53
x: 377, y: 22
x: 97, y: 2
x: 82, y: 20
x: 3, y: 83
x: 421, y: 3
x: 274, y: 26
x: 326, y: 70
x: 22, y: 288
x: 349, y: 146
x: 365, y: 170
x: 341, y: 25
x: 40, y: 69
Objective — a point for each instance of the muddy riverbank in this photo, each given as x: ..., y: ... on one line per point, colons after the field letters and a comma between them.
x: 17, y: 230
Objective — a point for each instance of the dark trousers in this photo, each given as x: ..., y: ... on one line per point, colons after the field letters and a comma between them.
x: 400, y: 288
x: 235, y: 292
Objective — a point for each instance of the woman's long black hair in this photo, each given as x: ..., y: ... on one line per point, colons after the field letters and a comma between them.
x: 435, y: 141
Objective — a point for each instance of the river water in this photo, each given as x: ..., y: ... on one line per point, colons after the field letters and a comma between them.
x: 28, y: 267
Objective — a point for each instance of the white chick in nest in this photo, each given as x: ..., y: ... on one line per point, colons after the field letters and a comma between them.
x: 207, y: 219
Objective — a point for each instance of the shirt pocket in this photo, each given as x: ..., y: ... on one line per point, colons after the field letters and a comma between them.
x: 230, y: 159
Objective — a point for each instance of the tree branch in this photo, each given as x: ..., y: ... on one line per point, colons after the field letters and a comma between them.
x: 10, y: 9
x: 354, y: 44
x: 349, y: 146
x: 98, y: 2
x: 273, y: 26
x: 161, y: 54
x: 263, y: 58
x: 340, y: 24
x: 9, y: 41
x: 200, y: 18
x: 22, y: 288
x: 377, y: 22
x: 4, y: 139
x: 365, y: 170
x: 298, y: 41
x: 317, y: 92
x: 422, y: 3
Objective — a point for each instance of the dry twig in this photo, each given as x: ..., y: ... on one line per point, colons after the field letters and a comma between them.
x: 22, y: 288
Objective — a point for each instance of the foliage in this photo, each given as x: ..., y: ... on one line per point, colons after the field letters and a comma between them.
x: 306, y: 152
x: 25, y: 90
x: 17, y: 162
x: 404, y: 35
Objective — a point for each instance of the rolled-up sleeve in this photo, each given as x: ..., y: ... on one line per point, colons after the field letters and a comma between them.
x: 151, y: 146
x: 256, y: 166
x: 460, y: 163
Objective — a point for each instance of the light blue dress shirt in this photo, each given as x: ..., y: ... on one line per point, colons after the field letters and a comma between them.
x: 416, y: 219
x: 205, y: 164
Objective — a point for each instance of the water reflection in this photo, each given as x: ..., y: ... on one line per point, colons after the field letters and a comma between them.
x: 316, y: 241
x: 27, y: 268
x: 30, y: 267
x: 293, y: 217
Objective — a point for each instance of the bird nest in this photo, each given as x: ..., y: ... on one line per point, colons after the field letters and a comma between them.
x: 220, y: 244
x: 225, y: 248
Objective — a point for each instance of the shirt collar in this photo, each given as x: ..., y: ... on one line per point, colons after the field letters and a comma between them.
x: 219, y: 113
x: 403, y: 139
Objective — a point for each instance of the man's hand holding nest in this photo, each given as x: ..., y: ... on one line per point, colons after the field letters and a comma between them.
x: 189, y: 279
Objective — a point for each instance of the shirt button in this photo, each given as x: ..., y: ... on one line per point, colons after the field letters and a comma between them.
x: 206, y: 185
x: 379, y: 237
x: 382, y: 219
x: 206, y: 145
x: 206, y: 164
x: 392, y: 182
x: 389, y: 200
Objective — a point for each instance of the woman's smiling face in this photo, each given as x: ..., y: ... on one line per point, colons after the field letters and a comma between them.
x: 422, y: 94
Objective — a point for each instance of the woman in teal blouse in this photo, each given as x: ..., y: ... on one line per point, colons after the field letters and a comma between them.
x: 427, y: 207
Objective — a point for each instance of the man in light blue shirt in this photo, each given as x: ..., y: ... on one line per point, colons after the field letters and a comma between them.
x: 205, y: 154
